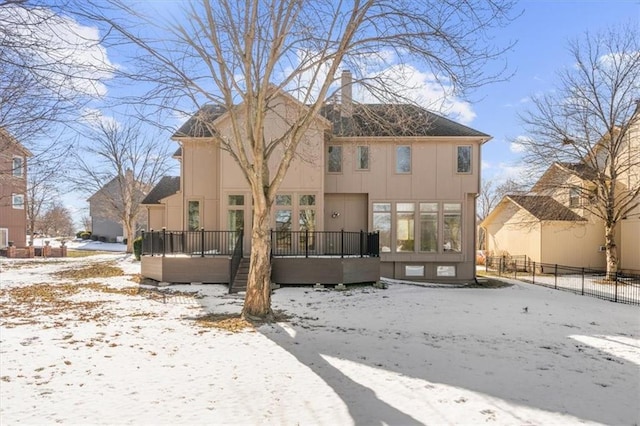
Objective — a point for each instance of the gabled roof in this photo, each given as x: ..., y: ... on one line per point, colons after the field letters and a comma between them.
x: 583, y: 171
x: 7, y: 141
x: 195, y: 127
x: 365, y: 120
x: 543, y: 207
x: 167, y: 186
x: 394, y: 120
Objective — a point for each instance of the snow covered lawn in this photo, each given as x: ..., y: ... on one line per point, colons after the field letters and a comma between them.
x: 90, y: 346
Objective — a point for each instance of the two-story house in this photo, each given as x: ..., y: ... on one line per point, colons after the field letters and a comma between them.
x: 553, y: 223
x: 13, y: 191
x: 396, y: 169
x: 107, y: 205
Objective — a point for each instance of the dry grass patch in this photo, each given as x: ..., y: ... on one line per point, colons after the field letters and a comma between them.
x: 233, y: 323
x: 98, y: 270
x: 37, y: 303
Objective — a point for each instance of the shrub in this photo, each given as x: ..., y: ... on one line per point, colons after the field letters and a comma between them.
x: 85, y: 235
x: 102, y: 239
x: 137, y: 248
x: 94, y: 238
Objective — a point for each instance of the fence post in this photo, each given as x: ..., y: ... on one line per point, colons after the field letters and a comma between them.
x: 616, y: 293
x: 555, y: 277
x: 242, y: 243
x: 143, y: 242
x: 164, y: 241
x: 201, y: 242
x: 151, y: 241
x: 342, y: 243
x: 533, y: 278
x: 306, y: 243
x: 271, y: 245
x: 361, y: 243
x: 582, y: 281
x: 171, y: 242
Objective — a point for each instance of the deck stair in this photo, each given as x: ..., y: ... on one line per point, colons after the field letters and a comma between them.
x: 240, y: 281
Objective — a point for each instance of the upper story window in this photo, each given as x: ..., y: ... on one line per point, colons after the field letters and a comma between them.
x: 17, y: 201
x: 18, y: 166
x: 464, y: 159
x: 403, y: 159
x: 574, y: 197
x: 362, y: 158
x: 335, y: 159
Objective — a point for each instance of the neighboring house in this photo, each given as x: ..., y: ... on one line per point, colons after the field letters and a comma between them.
x: 398, y: 169
x: 105, y: 206
x: 13, y: 191
x: 553, y: 225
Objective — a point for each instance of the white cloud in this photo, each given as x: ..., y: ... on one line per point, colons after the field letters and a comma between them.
x: 64, y: 55
x: 516, y: 147
x: 485, y: 165
x: 408, y: 82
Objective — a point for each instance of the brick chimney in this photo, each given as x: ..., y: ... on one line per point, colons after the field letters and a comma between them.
x: 346, y: 93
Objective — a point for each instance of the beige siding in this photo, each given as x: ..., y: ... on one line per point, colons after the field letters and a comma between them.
x: 630, y: 245
x: 573, y: 244
x: 514, y: 232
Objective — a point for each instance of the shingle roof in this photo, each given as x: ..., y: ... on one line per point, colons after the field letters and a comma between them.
x: 394, y: 120
x: 167, y: 186
x: 196, y: 127
x: 583, y: 171
x: 543, y: 207
x: 365, y: 120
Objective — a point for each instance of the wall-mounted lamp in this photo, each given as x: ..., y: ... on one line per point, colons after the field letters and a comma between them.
x: 335, y: 215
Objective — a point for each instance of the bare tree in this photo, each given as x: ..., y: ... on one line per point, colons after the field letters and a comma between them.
x: 56, y: 221
x: 230, y: 54
x: 50, y: 68
x: 585, y: 127
x: 119, y: 165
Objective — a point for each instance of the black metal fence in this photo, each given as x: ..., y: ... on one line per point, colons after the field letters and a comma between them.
x: 622, y: 288
x: 300, y: 243
x: 194, y: 243
x: 325, y: 243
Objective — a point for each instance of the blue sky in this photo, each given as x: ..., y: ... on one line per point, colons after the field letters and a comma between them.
x: 542, y: 34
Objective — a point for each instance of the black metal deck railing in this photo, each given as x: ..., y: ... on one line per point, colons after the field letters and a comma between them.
x: 300, y: 243
x: 325, y: 243
x: 194, y: 243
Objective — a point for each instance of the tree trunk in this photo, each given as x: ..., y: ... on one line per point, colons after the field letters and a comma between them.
x: 128, y: 230
x: 257, y: 302
x: 612, y: 251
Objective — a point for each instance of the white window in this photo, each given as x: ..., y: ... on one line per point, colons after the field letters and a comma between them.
x: 18, y: 167
x: 17, y: 201
x: 574, y: 197
x: 362, y: 158
x: 464, y: 159
x: 4, y: 237
x: 382, y: 223
x: 403, y: 159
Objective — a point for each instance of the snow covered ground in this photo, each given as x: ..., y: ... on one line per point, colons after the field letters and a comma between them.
x: 78, y: 244
x: 88, y: 350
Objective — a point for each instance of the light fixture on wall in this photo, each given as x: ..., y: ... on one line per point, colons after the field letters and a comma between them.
x: 335, y: 215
